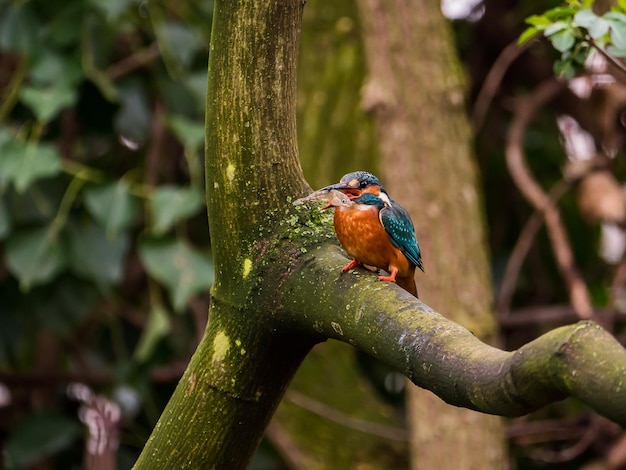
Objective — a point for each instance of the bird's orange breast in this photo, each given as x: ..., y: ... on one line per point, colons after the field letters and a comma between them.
x: 361, y: 234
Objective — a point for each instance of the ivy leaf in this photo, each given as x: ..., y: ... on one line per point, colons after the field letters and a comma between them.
x: 23, y: 163
x: 112, y: 9
x: 171, y: 204
x: 50, y: 68
x: 61, y: 305
x: 157, y: 327
x: 61, y: 30
x: 47, y: 102
x: 19, y: 28
x: 94, y: 256
x: 112, y: 206
x: 178, y: 44
x: 34, y: 256
x: 39, y: 436
x: 183, y: 270
x: 95, y: 50
x: 190, y: 133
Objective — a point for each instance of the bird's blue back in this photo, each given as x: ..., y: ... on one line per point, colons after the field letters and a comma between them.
x: 398, y: 224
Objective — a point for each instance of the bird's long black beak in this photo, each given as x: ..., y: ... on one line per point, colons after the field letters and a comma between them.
x: 338, y: 187
x: 344, y: 188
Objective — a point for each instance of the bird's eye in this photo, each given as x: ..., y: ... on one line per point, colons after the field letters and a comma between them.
x: 363, y: 184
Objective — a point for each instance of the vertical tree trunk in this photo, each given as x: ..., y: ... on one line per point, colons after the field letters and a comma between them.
x: 335, y: 136
x: 416, y: 91
x: 238, y: 374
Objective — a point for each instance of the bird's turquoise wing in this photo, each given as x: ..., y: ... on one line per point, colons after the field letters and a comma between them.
x: 398, y: 225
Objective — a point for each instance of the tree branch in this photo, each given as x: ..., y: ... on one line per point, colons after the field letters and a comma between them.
x: 520, y: 250
x: 579, y: 296
x: 582, y: 360
x: 492, y: 81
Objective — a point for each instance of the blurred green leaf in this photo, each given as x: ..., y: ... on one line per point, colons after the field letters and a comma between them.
x: 19, y: 28
x: 60, y: 30
x: 183, y: 270
x: 171, y: 204
x: 112, y: 9
x: 596, y: 25
x: 157, y: 327
x: 559, y: 12
x: 47, y: 102
x: 565, y: 69
x: 39, y: 436
x: 22, y: 164
x: 37, y: 206
x: 5, y: 219
x: 62, y: 305
x: 34, y: 256
x: 616, y: 17
x: 618, y: 29
x: 556, y: 27
x: 190, y: 133
x: 178, y: 43
x: 616, y: 52
x: 527, y: 35
x: 96, y: 44
x: 112, y: 206
x: 538, y: 21
x: 50, y: 68
x: 132, y: 121
x: 95, y: 256
x: 563, y: 40
x: 196, y: 84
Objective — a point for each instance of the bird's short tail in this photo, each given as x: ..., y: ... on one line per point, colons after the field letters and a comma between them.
x: 408, y: 284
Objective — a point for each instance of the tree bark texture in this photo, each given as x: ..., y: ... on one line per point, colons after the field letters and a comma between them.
x: 335, y: 136
x: 416, y: 92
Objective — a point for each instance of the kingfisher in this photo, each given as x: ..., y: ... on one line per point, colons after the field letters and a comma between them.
x: 376, y: 230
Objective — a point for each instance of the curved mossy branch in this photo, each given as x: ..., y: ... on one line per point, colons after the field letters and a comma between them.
x: 581, y: 360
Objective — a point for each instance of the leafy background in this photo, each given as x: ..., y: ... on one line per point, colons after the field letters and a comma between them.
x: 105, y: 255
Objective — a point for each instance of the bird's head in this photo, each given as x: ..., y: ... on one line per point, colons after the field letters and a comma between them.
x: 358, y: 182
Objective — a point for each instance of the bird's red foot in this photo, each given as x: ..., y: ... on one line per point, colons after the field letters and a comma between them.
x: 352, y: 264
x: 391, y: 277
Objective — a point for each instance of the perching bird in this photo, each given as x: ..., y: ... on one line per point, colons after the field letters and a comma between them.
x: 376, y: 230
